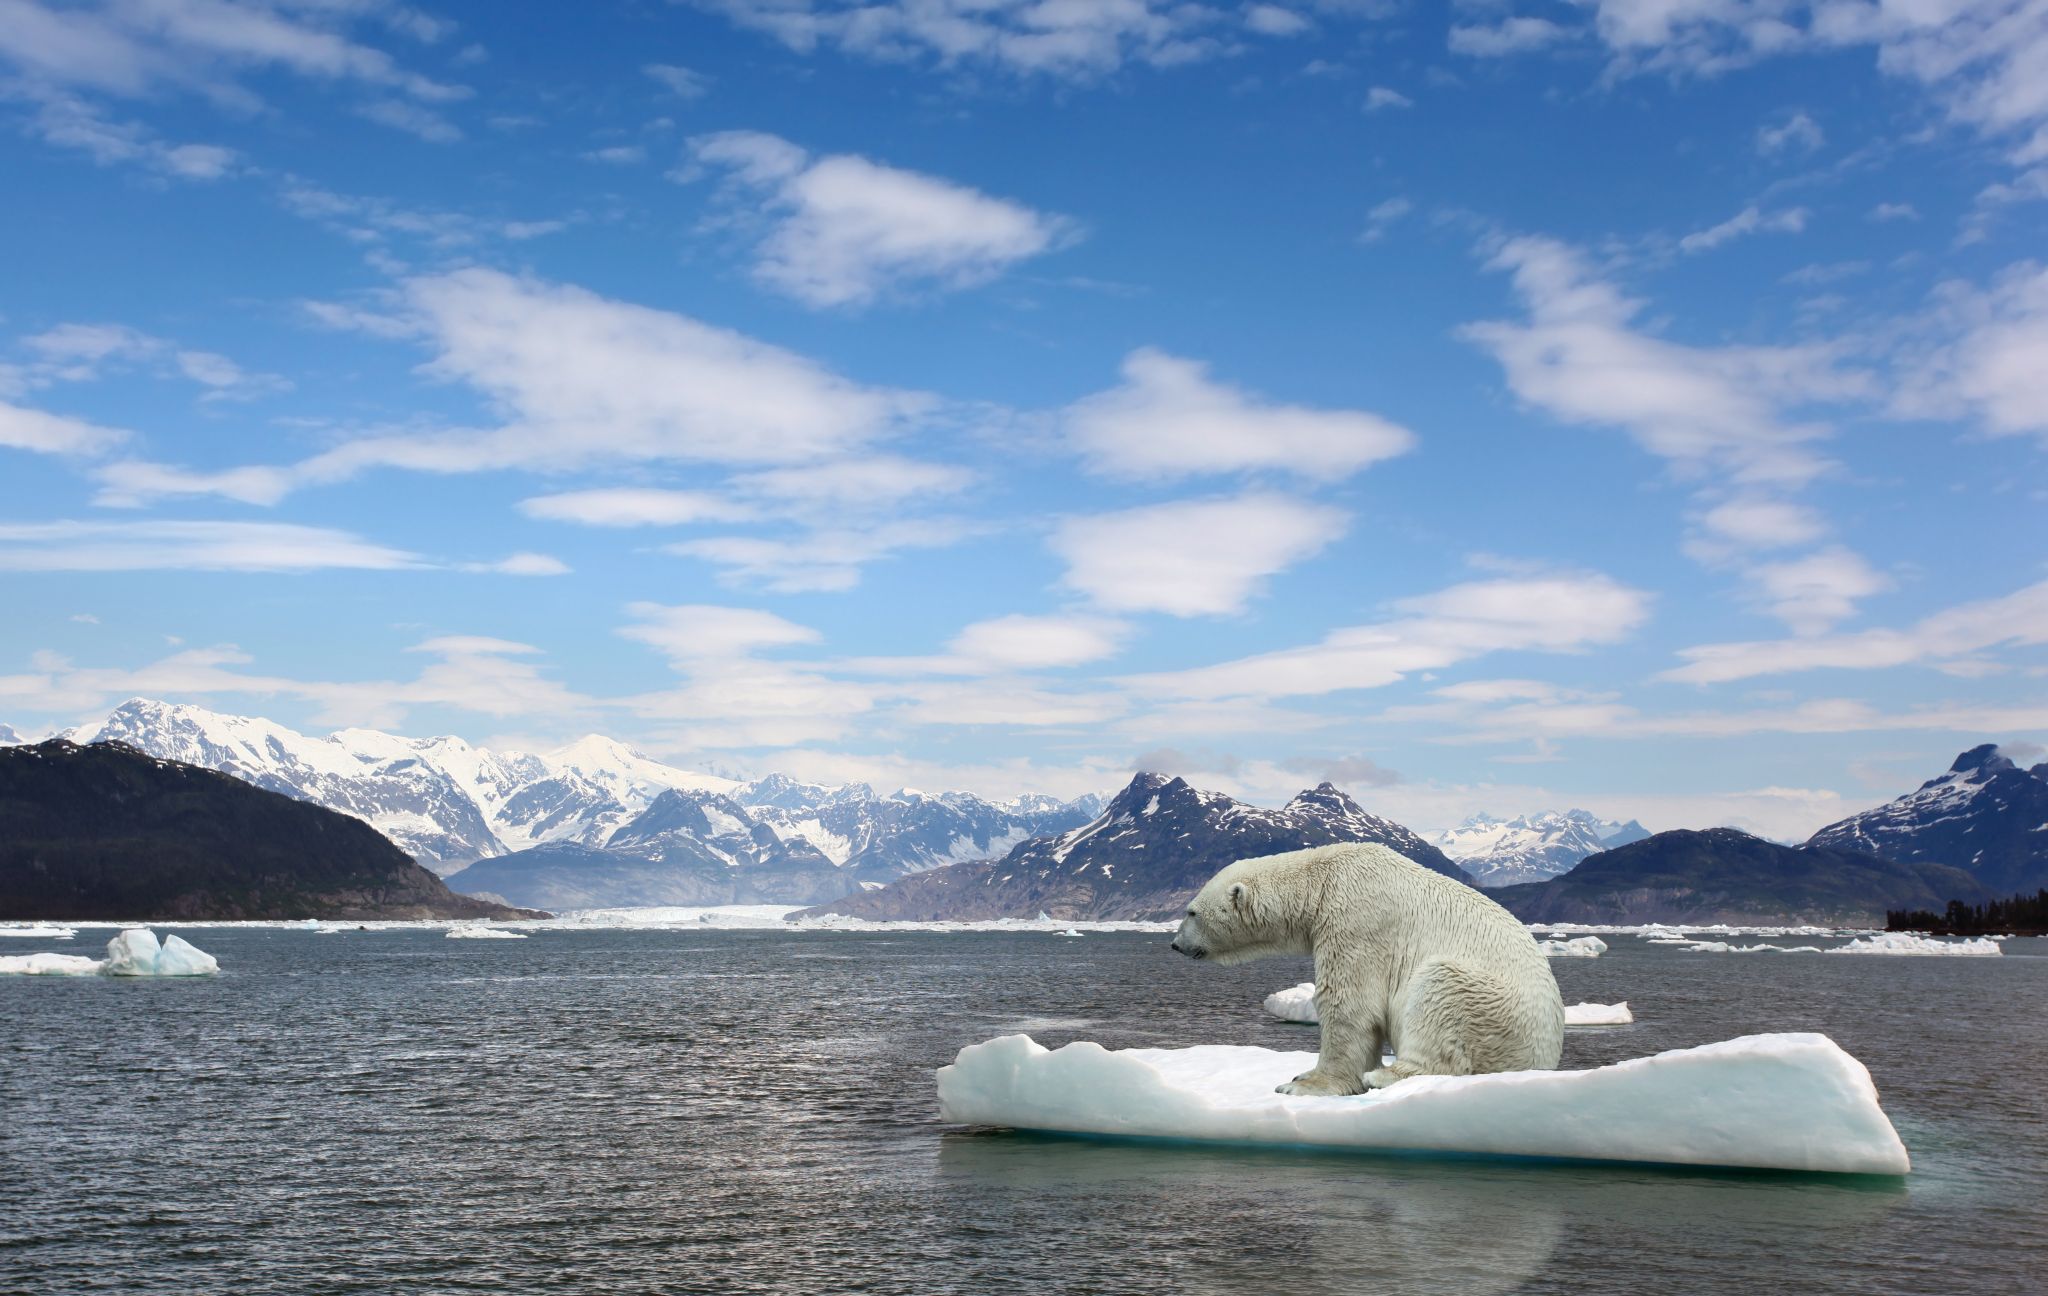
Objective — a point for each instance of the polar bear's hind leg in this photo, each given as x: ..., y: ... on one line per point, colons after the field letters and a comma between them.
x: 1457, y: 1020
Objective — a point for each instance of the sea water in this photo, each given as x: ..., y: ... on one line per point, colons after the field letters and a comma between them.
x: 752, y: 1111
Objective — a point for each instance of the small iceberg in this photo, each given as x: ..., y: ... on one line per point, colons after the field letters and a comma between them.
x: 1765, y: 1102
x: 39, y: 932
x: 1577, y: 947
x: 1910, y: 944
x: 134, y: 953
x: 49, y: 965
x: 1723, y: 947
x: 1298, y: 1004
x: 483, y: 933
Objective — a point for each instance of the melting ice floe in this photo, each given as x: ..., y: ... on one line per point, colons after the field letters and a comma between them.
x: 483, y: 933
x: 1298, y: 1004
x: 134, y: 953
x: 1908, y: 943
x: 40, y: 932
x: 1576, y: 947
x: 1775, y: 1102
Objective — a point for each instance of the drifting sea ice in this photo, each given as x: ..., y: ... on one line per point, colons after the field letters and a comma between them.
x: 1298, y: 1004
x: 40, y: 932
x: 133, y: 953
x: 1576, y: 947
x: 483, y: 933
x: 1723, y: 947
x: 1776, y: 1102
x: 1908, y: 943
x: 49, y: 965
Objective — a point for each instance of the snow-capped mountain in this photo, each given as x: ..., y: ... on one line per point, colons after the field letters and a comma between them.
x: 11, y: 737
x: 1987, y: 816
x: 880, y: 839
x: 1530, y: 848
x: 448, y: 803
x: 1149, y: 850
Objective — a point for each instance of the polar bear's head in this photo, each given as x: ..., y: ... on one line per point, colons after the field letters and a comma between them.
x: 1250, y: 910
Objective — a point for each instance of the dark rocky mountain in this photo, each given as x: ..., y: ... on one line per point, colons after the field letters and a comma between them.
x: 1722, y: 875
x: 1149, y: 850
x: 685, y: 848
x: 109, y: 832
x: 1986, y: 816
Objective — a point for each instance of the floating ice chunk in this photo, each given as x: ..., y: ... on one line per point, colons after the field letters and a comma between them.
x: 1592, y: 1014
x: 1776, y: 1102
x: 1298, y: 1004
x: 483, y: 933
x: 135, y: 952
x: 1294, y: 1004
x: 1908, y: 943
x: 1723, y: 947
x: 39, y: 932
x: 1070, y: 932
x: 1576, y: 947
x: 48, y: 965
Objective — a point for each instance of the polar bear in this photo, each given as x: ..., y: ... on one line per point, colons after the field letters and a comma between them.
x: 1406, y: 959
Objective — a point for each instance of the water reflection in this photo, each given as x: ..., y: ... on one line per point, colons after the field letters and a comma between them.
x: 1294, y: 1222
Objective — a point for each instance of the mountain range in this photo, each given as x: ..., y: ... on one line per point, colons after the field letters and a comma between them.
x: 449, y: 804
x: 108, y: 832
x: 1986, y: 815
x: 1529, y: 848
x: 1724, y: 875
x: 1152, y: 846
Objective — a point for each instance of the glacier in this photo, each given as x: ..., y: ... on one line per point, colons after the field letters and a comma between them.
x: 1794, y: 1101
x: 135, y: 952
x: 1297, y: 1003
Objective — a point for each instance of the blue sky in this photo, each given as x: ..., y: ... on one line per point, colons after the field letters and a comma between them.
x: 1504, y: 406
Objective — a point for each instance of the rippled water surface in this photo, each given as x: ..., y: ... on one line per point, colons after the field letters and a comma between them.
x: 617, y: 1111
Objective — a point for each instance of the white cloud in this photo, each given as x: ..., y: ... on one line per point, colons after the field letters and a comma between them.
x: 1383, y: 217
x: 1579, y: 358
x: 1038, y: 642
x: 1889, y: 211
x: 679, y: 81
x: 1077, y: 39
x: 1379, y: 97
x: 826, y: 558
x: 1273, y: 20
x: 146, y: 49
x: 1796, y: 132
x: 628, y: 506
x: 1512, y: 35
x: 729, y: 695
x: 134, y: 483
x: 1813, y: 592
x: 411, y: 118
x: 1534, y: 613
x: 1170, y: 420
x: 706, y: 632
x: 2018, y: 619
x: 87, y: 352
x: 868, y: 482
x: 523, y: 564
x: 618, y: 155
x: 1990, y: 359
x: 844, y: 231
x: 1750, y: 220
x: 1760, y: 522
x: 67, y: 121
x: 1192, y: 557
x: 189, y: 546
x: 44, y: 433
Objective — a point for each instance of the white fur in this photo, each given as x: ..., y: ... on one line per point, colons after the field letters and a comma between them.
x: 1406, y: 959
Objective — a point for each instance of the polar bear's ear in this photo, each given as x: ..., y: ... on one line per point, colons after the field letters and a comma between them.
x: 1237, y: 895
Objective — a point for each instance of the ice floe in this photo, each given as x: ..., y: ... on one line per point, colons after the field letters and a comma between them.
x: 1776, y: 1102
x: 49, y: 965
x: 1910, y: 943
x: 40, y: 932
x: 1576, y: 947
x: 1298, y: 1004
x: 133, y: 953
x: 483, y: 933
x: 1724, y: 947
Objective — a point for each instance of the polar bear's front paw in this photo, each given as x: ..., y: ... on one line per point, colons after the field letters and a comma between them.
x: 1318, y: 1084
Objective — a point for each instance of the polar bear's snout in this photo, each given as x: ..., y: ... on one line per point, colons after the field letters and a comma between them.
x: 1188, y: 940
